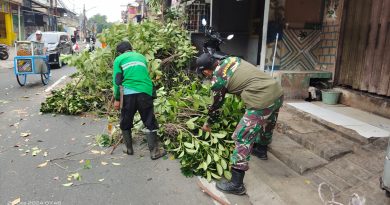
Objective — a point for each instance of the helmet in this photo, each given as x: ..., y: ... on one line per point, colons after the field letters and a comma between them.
x: 123, y: 47
x: 204, y: 61
x: 38, y: 32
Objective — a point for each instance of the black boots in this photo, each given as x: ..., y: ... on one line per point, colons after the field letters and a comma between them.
x: 154, y: 146
x: 236, y: 185
x: 128, y: 149
x: 260, y: 151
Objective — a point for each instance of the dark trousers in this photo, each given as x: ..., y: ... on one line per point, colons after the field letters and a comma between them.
x: 141, y: 102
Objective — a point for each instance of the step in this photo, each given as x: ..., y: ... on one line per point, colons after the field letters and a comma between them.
x: 325, y: 175
x: 321, y: 141
x: 259, y: 192
x: 273, y: 182
x: 369, y: 190
x: 294, y: 155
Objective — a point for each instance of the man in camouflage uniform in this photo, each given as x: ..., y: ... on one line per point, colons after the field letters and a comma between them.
x: 262, y: 95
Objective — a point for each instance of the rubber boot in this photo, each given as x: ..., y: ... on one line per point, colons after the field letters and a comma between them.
x: 236, y: 185
x: 128, y: 148
x: 154, y: 146
x: 260, y: 151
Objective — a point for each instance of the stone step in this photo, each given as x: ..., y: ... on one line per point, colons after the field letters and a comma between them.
x: 294, y: 155
x: 325, y: 175
x: 369, y: 190
x: 318, y: 139
x: 273, y: 182
x: 259, y: 192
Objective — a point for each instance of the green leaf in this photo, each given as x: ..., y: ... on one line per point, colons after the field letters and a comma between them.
x: 196, y: 144
x: 207, y: 135
x: 87, y: 164
x: 219, y: 135
x: 227, y: 174
x: 216, y: 157
x: 205, y: 143
x: 224, y: 164
x: 200, y: 132
x: 219, y: 169
x: 68, y: 184
x: 167, y: 142
x: 190, y: 151
x: 215, y: 140
x: 205, y: 165
x: 190, y: 125
x: 221, y: 147
x: 188, y: 145
x: 200, y: 166
x: 215, y: 176
x: 181, y: 154
x: 208, y: 159
x: 208, y: 174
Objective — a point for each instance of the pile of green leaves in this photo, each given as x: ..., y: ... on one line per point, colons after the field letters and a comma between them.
x: 181, y: 112
x: 181, y: 106
x: 91, y: 89
x: 166, y: 46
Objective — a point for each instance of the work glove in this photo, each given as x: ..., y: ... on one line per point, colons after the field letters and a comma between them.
x: 117, y: 105
x: 206, y: 127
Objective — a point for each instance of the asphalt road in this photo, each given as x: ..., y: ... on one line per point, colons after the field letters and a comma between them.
x: 111, y: 179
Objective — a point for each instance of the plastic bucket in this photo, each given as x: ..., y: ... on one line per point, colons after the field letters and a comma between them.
x: 330, y: 97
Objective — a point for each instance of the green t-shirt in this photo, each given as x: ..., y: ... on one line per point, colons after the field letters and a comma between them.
x: 135, y: 73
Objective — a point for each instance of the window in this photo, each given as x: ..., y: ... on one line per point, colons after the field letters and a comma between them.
x: 311, y: 16
x: 64, y: 38
x: 196, y: 12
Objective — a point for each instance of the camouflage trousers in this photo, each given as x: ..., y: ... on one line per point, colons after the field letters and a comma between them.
x: 256, y: 126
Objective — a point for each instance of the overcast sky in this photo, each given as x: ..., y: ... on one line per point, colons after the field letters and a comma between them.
x: 110, y: 8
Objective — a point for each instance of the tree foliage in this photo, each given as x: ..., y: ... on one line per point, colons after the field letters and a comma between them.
x: 100, y: 21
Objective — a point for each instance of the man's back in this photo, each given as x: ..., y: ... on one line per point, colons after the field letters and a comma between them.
x: 135, y: 72
x: 257, y: 89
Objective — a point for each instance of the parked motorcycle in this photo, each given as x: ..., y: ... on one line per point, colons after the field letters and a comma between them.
x: 90, y: 44
x: 4, y: 52
x: 213, y: 41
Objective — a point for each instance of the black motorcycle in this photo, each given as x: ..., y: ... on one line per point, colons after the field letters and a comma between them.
x: 213, y: 41
x: 4, y: 52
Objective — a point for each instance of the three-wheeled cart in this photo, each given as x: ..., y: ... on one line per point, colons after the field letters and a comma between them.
x: 30, y: 59
x: 385, y: 179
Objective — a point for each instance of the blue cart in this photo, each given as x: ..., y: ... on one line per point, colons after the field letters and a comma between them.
x: 26, y: 63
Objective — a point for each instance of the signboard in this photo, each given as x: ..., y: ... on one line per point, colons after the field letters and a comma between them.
x: 24, y: 65
x: 4, y: 7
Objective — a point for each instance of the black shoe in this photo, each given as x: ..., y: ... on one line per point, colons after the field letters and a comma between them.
x: 127, y: 140
x: 154, y: 146
x: 235, y: 185
x: 260, y: 151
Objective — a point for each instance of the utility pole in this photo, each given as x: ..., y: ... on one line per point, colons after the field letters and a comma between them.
x: 55, y: 14
x: 48, y: 14
x: 20, y: 30
x: 84, y: 23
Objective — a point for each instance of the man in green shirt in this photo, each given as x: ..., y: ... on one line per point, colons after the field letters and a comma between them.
x: 131, y: 77
x: 262, y: 96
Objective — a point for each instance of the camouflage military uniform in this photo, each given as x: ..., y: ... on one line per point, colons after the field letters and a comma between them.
x: 258, y: 122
